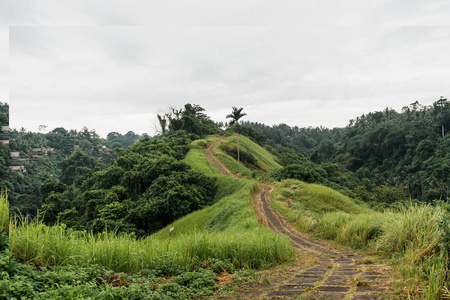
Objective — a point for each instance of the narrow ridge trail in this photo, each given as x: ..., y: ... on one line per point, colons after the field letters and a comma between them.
x: 338, y: 274
x: 214, y: 161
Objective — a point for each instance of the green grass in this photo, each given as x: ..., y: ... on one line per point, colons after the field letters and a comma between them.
x: 266, y: 162
x: 55, y: 245
x: 81, y: 265
x: 4, y: 211
x: 331, y: 215
x: 197, y: 160
x: 317, y: 198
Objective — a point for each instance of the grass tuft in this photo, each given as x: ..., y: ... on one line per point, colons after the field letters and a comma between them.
x: 4, y: 211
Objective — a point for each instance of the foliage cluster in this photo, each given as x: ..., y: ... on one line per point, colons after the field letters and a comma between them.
x: 143, y: 190
x: 191, y: 119
x: 24, y: 186
x: 165, y: 281
x: 336, y: 176
x: 400, y: 151
x: 303, y: 140
x: 408, y: 148
x: 4, y: 149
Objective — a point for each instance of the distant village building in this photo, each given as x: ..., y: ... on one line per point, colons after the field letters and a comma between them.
x: 4, y: 135
x: 15, y: 155
x: 104, y: 149
x: 18, y: 168
x: 278, y: 145
x: 5, y: 142
x: 42, y: 151
x: 37, y: 153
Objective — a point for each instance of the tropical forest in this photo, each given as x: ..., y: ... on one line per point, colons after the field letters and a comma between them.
x: 235, y: 210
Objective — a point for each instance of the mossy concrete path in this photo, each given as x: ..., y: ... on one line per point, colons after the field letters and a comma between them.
x: 337, y: 273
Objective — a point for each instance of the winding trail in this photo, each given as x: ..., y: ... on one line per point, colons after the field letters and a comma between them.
x: 338, y: 274
x: 214, y: 161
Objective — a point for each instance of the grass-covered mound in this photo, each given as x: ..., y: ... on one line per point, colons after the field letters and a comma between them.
x: 414, y: 237
x: 254, y: 159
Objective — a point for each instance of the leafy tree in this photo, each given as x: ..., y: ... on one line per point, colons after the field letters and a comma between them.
x: 192, y: 120
x: 301, y: 172
x: 171, y: 197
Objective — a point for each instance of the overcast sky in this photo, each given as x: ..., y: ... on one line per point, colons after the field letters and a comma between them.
x: 112, y: 65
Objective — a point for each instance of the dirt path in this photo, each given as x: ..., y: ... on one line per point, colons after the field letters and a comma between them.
x: 338, y: 274
x: 214, y: 161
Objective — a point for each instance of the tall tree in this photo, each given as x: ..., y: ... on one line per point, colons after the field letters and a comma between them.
x: 235, y: 115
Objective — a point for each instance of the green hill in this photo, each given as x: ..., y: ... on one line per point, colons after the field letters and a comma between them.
x: 254, y: 159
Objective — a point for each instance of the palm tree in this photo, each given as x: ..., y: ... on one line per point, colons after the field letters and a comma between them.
x: 235, y: 115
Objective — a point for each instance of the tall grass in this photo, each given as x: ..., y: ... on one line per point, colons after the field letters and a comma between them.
x: 415, y: 227
x: 4, y: 211
x: 55, y: 245
x: 411, y: 236
x: 331, y: 215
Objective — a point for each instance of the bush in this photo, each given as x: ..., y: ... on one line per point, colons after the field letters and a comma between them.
x: 301, y: 172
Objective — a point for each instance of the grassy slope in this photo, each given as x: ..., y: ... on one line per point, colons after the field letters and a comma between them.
x: 410, y: 236
x: 266, y: 162
x: 331, y: 215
